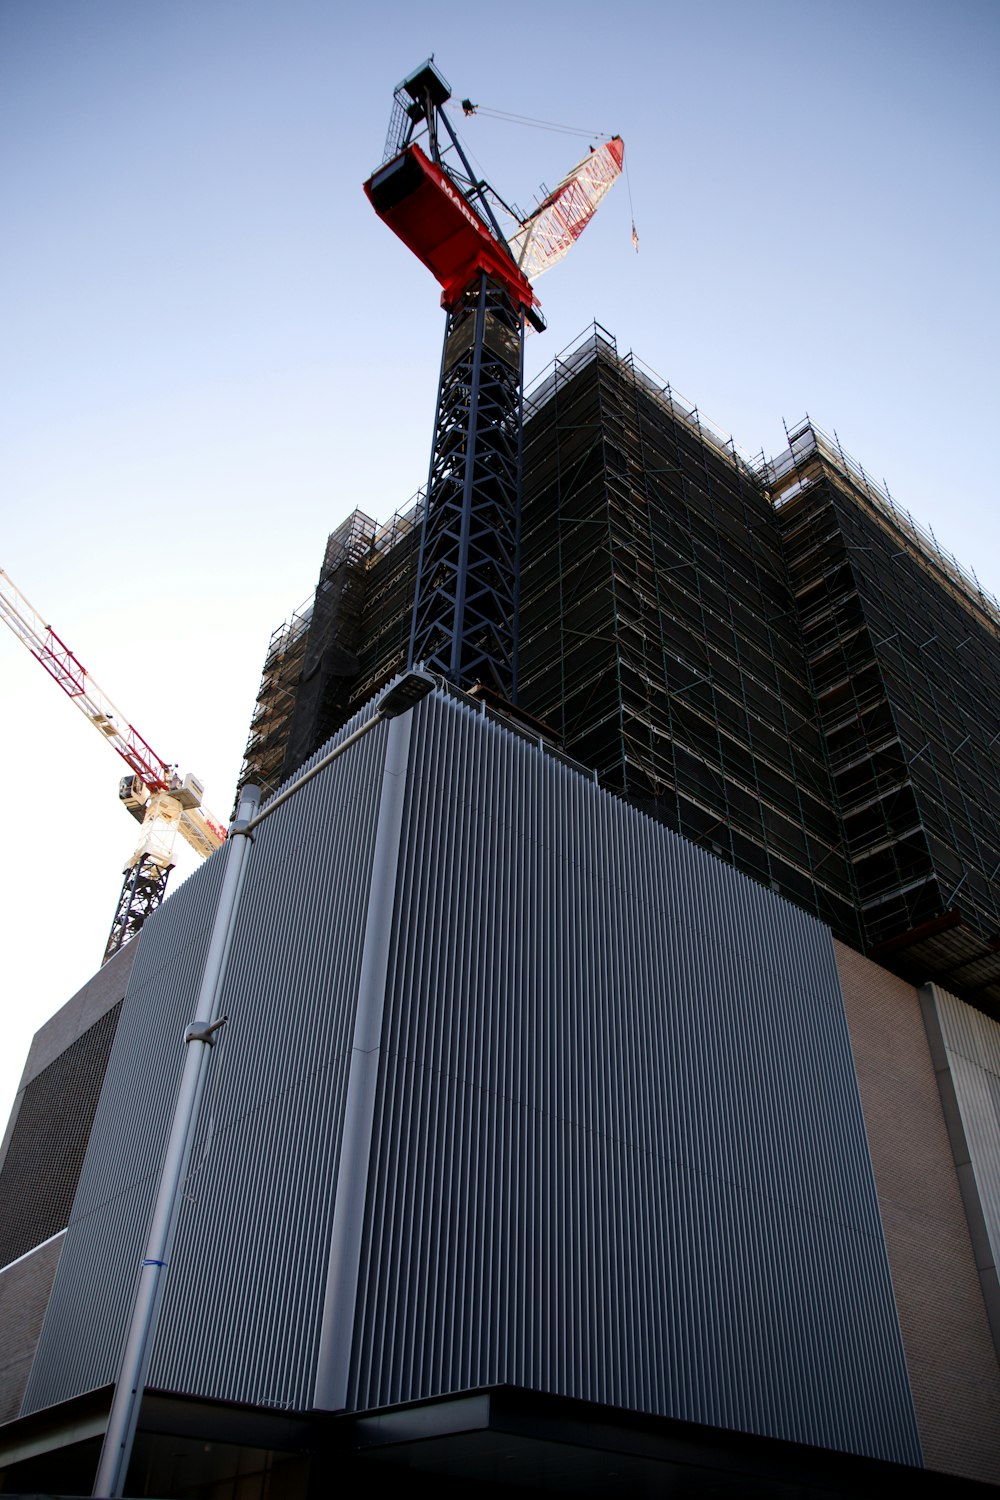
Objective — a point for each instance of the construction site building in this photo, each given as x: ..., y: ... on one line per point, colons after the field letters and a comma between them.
x: 561, y: 1134
x: 769, y: 656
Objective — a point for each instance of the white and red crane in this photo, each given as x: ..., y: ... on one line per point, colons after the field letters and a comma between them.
x: 163, y: 801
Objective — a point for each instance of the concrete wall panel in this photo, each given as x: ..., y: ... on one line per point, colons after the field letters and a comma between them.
x: 949, y: 1352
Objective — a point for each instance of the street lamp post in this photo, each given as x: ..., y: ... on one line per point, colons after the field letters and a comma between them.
x: 199, y: 1038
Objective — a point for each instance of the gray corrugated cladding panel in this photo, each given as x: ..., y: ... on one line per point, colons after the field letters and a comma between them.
x: 618, y: 1148
x: 972, y: 1041
x: 85, y: 1320
x: 243, y: 1300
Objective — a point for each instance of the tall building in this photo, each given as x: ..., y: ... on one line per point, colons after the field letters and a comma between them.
x: 565, y: 1132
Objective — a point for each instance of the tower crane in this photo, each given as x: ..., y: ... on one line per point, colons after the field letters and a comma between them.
x: 464, y: 622
x: 164, y: 802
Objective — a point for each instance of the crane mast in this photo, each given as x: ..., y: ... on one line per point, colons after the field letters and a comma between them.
x: 464, y: 622
x: 465, y: 613
x: 466, y: 604
x: 162, y: 801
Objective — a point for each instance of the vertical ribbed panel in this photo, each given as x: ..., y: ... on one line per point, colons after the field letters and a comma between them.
x: 619, y: 1149
x: 972, y: 1043
x: 244, y: 1294
x: 84, y: 1325
x: 246, y: 1326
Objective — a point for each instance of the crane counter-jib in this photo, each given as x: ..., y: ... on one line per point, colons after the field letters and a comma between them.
x: 421, y: 205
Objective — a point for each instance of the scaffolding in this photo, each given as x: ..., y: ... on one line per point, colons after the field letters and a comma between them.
x: 903, y: 649
x: 339, y: 648
x: 391, y: 575
x: 310, y: 663
x: 791, y: 472
x: 265, y: 750
x: 330, y: 661
x: 658, y: 634
x: 768, y: 655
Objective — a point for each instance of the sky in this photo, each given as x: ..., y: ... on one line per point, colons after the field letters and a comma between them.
x: 212, y: 351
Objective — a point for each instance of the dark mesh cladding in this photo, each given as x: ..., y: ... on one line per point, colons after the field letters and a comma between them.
x: 658, y: 631
x: 47, y: 1146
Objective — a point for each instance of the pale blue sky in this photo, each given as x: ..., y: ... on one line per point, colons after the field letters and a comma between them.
x: 213, y: 351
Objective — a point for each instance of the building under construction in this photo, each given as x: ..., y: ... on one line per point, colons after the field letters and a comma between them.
x: 512, y: 1104
x: 563, y: 1132
x: 770, y: 657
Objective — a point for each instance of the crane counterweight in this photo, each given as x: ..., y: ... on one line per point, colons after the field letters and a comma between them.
x: 418, y: 201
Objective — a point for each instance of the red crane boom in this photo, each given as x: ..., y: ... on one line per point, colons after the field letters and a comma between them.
x: 76, y: 682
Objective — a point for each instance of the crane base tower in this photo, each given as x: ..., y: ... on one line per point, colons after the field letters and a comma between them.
x: 465, y: 610
x: 464, y: 623
x: 143, y: 889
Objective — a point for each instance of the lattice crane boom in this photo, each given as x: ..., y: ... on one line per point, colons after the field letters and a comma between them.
x: 72, y: 676
x: 163, y: 802
x: 559, y: 220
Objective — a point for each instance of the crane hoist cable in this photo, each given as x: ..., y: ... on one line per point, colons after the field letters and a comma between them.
x: 468, y: 108
x: 628, y: 188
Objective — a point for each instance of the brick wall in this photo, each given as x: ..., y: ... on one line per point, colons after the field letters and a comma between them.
x: 48, y: 1141
x: 40, y: 1159
x: 24, y: 1295
x: 103, y: 991
x: 950, y: 1354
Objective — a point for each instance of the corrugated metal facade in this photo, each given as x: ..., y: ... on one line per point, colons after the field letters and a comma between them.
x: 616, y: 1145
x: 973, y: 1043
x: 241, y: 1310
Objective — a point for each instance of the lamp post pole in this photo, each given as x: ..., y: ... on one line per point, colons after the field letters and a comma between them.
x: 199, y: 1038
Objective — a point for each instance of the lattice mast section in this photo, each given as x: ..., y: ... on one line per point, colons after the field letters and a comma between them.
x: 465, y: 615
